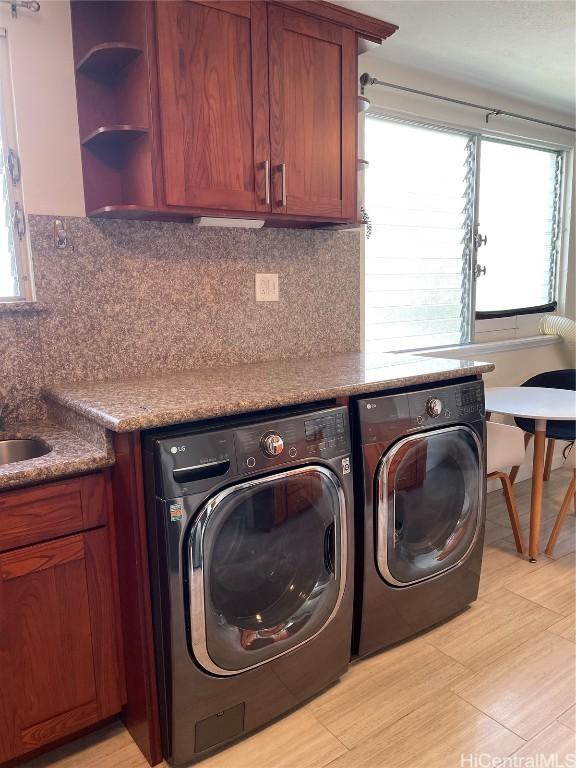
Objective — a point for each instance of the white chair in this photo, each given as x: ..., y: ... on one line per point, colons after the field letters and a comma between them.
x: 506, y: 449
x: 570, y: 463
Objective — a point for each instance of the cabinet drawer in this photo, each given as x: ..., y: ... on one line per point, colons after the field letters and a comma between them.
x: 43, y: 512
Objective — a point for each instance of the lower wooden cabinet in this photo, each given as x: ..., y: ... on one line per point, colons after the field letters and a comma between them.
x: 59, y: 656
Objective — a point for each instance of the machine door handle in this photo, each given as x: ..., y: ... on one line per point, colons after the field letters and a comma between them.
x: 329, y: 548
x: 201, y: 471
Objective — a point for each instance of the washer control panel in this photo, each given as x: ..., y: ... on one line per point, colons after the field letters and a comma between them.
x: 323, y: 434
x: 191, y: 462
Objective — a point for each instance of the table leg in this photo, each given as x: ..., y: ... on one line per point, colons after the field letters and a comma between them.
x: 537, y: 483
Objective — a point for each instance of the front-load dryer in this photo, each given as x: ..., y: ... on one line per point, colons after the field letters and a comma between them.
x: 250, y: 537
x: 420, y: 528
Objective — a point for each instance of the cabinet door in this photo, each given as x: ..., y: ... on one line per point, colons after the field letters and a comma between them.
x: 313, y: 115
x: 213, y: 98
x: 58, y: 654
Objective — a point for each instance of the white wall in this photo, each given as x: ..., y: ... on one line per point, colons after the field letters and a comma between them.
x: 45, y: 106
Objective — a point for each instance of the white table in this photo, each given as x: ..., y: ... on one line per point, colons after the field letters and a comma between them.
x: 542, y: 405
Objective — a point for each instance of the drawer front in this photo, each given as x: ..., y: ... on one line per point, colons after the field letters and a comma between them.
x: 43, y: 512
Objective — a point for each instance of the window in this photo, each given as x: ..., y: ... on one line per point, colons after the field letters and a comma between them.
x: 418, y: 192
x: 14, y: 282
x: 518, y: 213
x: 432, y: 195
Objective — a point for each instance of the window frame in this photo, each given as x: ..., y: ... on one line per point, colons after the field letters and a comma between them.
x: 10, y: 142
x: 482, y: 325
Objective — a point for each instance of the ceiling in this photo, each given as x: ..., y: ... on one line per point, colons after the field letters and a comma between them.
x: 521, y: 48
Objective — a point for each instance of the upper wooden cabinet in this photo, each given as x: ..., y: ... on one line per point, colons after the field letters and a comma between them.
x: 226, y: 108
x: 313, y: 115
x: 212, y: 84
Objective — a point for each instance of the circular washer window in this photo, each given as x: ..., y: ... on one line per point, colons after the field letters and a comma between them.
x: 267, y: 567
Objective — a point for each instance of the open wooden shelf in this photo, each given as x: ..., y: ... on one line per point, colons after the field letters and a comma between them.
x: 112, y: 55
x: 113, y: 136
x: 107, y: 59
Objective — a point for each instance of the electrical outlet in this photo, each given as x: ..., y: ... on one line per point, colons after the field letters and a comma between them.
x: 266, y: 286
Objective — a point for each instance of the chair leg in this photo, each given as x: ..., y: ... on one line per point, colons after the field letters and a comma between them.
x: 512, y: 509
x: 561, y: 515
x: 549, y: 457
x: 527, y: 437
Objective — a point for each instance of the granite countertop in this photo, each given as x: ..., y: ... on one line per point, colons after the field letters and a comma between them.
x: 70, y: 455
x: 139, y: 403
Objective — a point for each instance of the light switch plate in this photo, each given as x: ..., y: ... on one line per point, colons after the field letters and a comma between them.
x: 266, y: 286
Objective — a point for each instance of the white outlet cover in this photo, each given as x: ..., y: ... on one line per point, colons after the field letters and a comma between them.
x: 266, y: 286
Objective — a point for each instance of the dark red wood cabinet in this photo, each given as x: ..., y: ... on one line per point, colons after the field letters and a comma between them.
x: 225, y: 108
x: 313, y: 115
x: 212, y: 98
x: 60, y: 668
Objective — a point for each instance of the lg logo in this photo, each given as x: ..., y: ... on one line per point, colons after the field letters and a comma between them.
x: 177, y: 448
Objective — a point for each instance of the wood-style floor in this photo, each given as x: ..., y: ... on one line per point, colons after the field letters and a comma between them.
x: 497, y: 680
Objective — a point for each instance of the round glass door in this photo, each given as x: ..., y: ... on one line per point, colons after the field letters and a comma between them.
x: 429, y: 504
x: 267, y: 567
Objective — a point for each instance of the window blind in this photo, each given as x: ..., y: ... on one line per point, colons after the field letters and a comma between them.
x: 419, y: 195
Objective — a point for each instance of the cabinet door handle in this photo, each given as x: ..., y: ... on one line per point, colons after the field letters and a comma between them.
x: 267, y: 181
x: 282, y: 168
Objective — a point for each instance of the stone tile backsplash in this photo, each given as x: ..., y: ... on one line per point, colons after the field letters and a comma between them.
x: 129, y: 298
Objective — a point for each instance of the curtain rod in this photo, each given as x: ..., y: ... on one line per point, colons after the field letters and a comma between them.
x: 28, y: 5
x: 367, y: 79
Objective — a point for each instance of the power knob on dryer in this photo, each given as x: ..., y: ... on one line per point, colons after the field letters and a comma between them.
x: 272, y: 444
x: 433, y: 406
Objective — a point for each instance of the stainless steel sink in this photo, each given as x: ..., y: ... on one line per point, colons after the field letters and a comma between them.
x: 22, y: 450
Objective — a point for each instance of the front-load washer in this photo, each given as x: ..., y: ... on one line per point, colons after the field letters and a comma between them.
x: 250, y: 538
x: 420, y: 510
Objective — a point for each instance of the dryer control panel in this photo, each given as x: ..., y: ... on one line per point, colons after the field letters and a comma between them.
x: 452, y: 403
x: 384, y: 418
